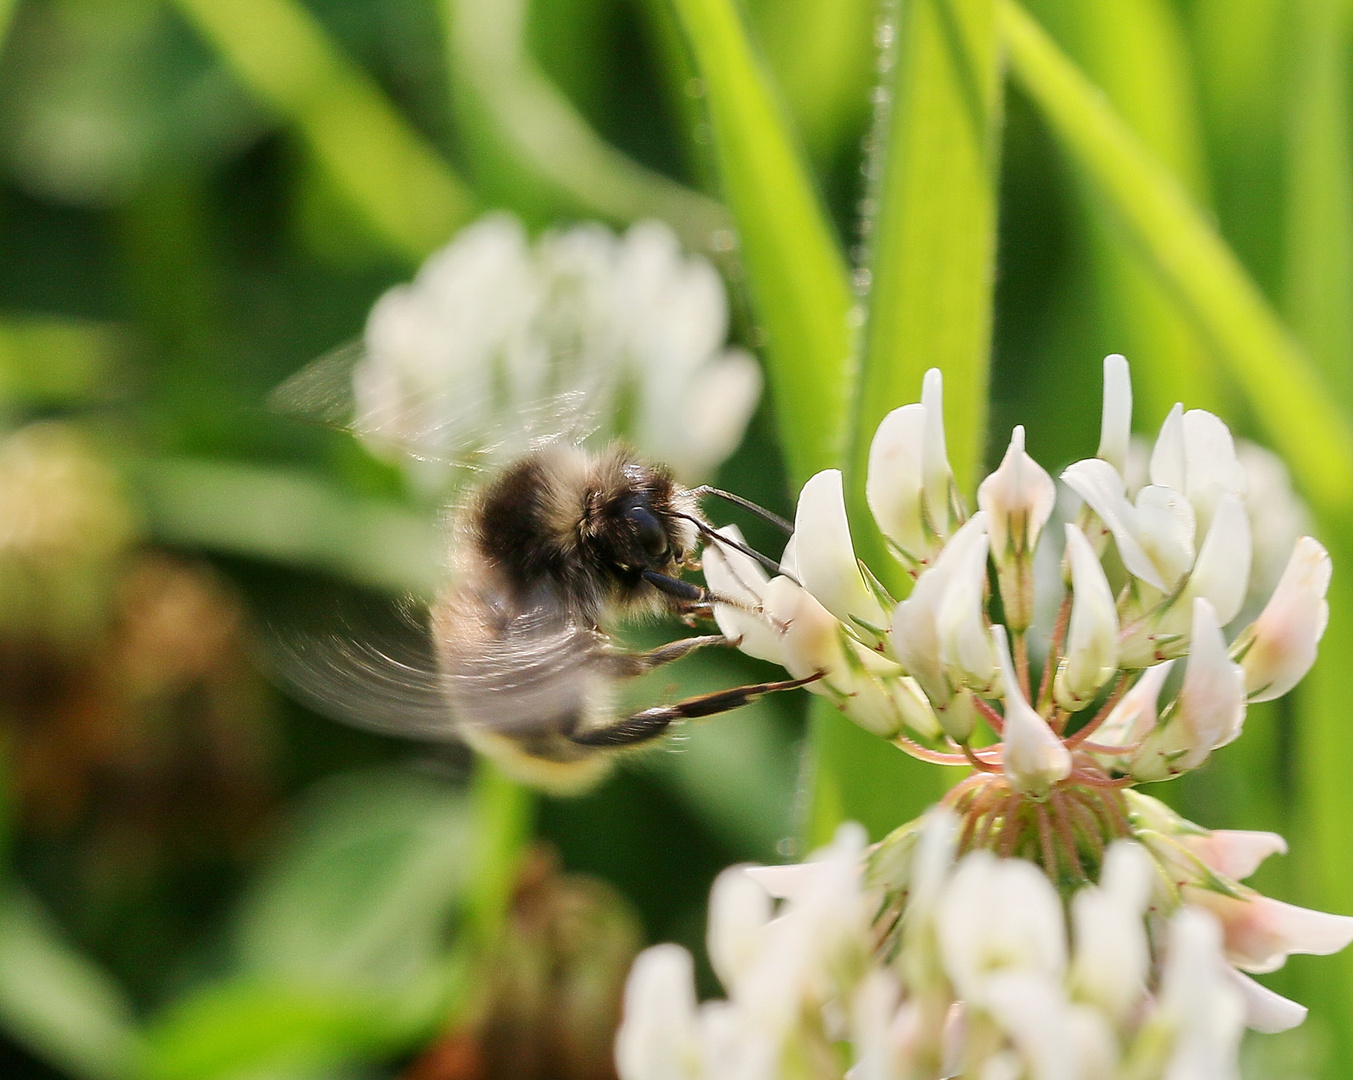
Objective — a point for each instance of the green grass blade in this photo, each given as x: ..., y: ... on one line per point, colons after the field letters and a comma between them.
x: 1136, y: 52
x: 1282, y: 386
x: 411, y: 199
x: 547, y: 137
x: 795, y: 272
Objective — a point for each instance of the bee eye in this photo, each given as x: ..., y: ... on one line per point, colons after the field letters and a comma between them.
x: 648, y: 530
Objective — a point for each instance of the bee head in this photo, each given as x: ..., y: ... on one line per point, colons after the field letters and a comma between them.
x: 637, y: 521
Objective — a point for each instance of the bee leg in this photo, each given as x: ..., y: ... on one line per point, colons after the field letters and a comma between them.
x: 694, y: 596
x: 632, y: 664
x: 651, y: 723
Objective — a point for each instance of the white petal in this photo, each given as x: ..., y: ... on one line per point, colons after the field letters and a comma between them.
x: 1018, y: 498
x: 965, y: 646
x: 1165, y: 530
x: 1265, y: 1011
x: 1032, y: 756
x: 1100, y: 485
x: 1112, y: 957
x: 694, y: 427
x: 825, y: 556
x: 937, y: 477
x: 1213, y: 468
x: 730, y: 573
x: 657, y: 1037
x: 1135, y: 714
x: 999, y: 915
x: 739, y: 909
x: 1260, y: 933
x: 1208, y: 712
x: 1222, y: 571
x: 1115, y: 427
x: 1169, y: 466
x: 1092, y: 638
x: 1281, y: 645
x: 894, y: 484
x: 1234, y: 853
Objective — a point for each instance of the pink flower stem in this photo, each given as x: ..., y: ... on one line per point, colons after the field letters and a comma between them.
x: 1022, y: 662
x: 916, y: 750
x: 1061, y: 822
x: 1045, y: 840
x: 990, y: 715
x: 1054, y: 653
x: 1120, y: 688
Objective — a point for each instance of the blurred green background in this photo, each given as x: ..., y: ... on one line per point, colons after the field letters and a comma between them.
x: 201, y: 878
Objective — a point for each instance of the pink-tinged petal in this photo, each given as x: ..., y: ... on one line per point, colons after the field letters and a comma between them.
x: 1266, y: 1011
x: 1280, y: 647
x: 730, y: 573
x: 1261, y: 933
x: 894, y: 485
x: 1100, y: 485
x: 1234, y: 853
x: 1115, y: 426
x: 1032, y: 756
x: 1207, y: 714
x: 825, y: 556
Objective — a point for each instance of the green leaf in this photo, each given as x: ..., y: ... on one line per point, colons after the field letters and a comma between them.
x: 795, y: 271
x: 1301, y: 419
x: 55, y: 1001
x: 291, y: 517
x: 47, y: 361
x: 547, y: 137
x: 253, y: 1027
x: 364, y: 892
x: 408, y: 195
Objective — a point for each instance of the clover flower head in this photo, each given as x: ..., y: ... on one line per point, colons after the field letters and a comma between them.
x: 500, y: 339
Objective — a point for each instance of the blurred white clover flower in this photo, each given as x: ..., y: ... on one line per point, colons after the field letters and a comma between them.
x: 498, y: 335
x: 1152, y: 575
x: 910, y: 960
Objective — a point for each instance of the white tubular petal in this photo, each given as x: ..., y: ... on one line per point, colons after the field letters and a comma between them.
x: 916, y: 710
x: 1222, y: 571
x: 860, y: 683
x: 893, y: 487
x: 1208, y: 712
x: 1265, y: 1011
x: 965, y: 647
x: 730, y: 573
x: 937, y: 477
x: 999, y: 915
x: 1280, y: 647
x: 1165, y: 530
x: 739, y: 909
x: 1213, y: 468
x: 825, y: 556
x: 1168, y: 464
x: 1198, y: 998
x: 1234, y: 853
x: 1112, y: 957
x: 1092, y: 638
x: 1115, y: 426
x: 916, y: 640
x: 1135, y: 715
x: 1018, y: 498
x: 657, y: 1037
x: 1032, y: 757
x: 1260, y: 933
x: 1100, y: 485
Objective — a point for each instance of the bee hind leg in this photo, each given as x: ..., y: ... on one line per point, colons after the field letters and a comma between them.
x: 651, y: 723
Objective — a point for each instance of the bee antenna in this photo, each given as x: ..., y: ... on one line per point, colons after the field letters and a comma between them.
x: 718, y: 538
x: 786, y: 527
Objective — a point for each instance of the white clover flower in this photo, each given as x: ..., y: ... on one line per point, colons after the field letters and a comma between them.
x: 496, y: 335
x: 966, y: 965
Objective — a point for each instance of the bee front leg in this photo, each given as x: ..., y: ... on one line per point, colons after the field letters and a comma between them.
x: 651, y: 723
x: 631, y: 664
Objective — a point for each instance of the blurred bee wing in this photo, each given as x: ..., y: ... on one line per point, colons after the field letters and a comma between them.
x: 379, y: 679
x: 473, y: 422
